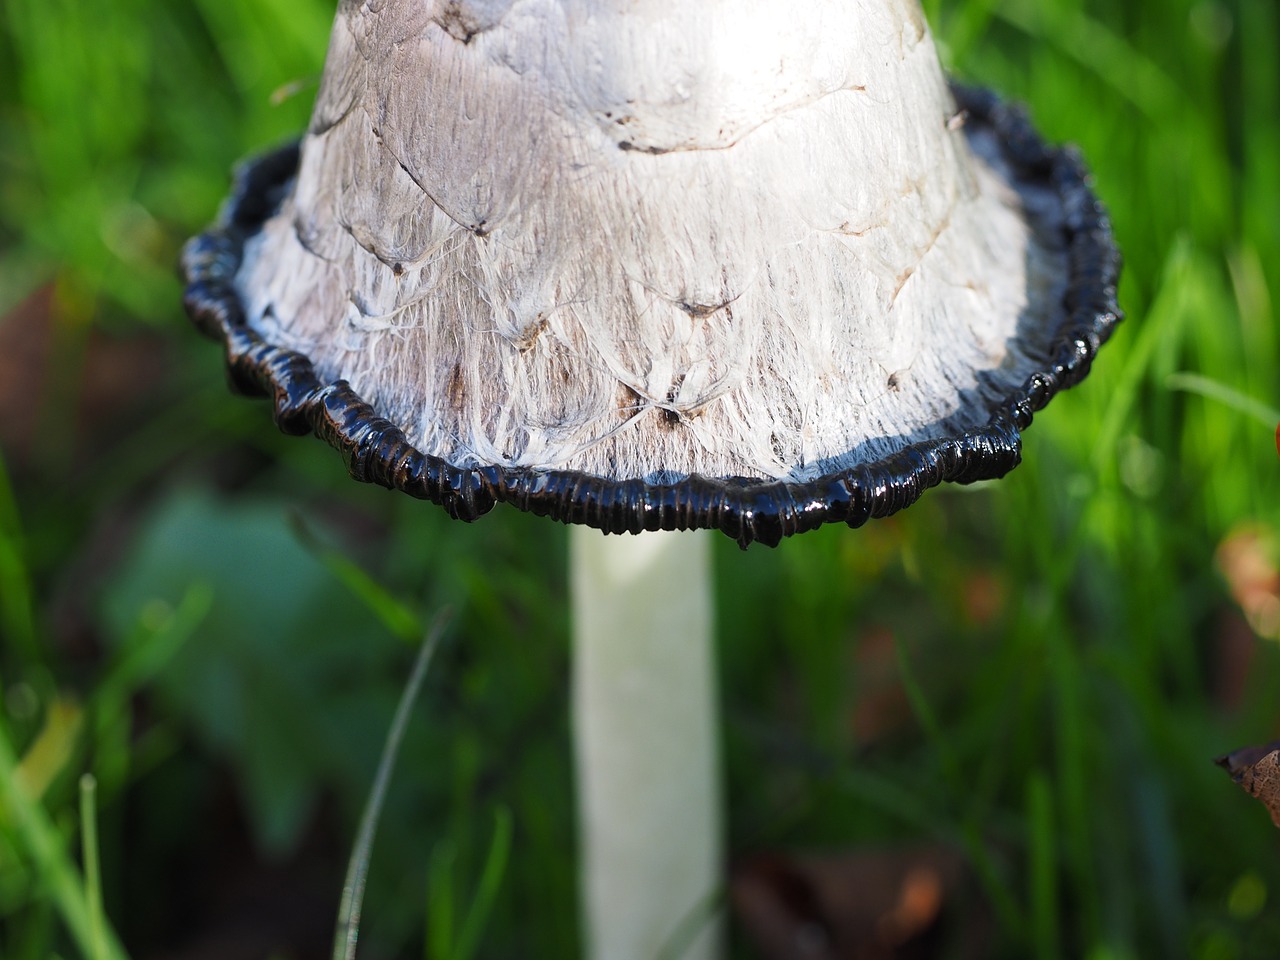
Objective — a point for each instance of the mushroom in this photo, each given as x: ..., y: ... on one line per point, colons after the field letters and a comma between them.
x: 643, y: 267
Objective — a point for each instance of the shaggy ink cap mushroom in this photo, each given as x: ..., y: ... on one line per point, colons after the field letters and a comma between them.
x: 642, y: 269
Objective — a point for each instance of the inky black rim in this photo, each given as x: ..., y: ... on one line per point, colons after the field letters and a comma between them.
x: 749, y: 510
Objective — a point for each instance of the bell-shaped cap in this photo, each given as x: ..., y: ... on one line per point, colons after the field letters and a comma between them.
x: 653, y: 266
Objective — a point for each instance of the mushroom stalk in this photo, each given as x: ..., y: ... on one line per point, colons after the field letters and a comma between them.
x: 647, y: 746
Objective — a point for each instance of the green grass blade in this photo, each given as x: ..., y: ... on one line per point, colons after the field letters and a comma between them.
x: 160, y: 634
x: 927, y: 717
x: 495, y: 869
x: 697, y: 919
x: 46, y: 847
x: 17, y: 603
x: 1181, y: 285
x: 348, y: 927
x: 439, y: 914
x: 1043, y: 868
x: 1233, y: 398
x: 966, y: 27
x: 92, y: 871
x: 394, y: 615
x: 1126, y: 69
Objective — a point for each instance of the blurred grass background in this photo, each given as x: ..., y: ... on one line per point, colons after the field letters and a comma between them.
x: 215, y: 622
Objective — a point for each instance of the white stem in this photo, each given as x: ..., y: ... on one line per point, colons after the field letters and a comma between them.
x: 647, y: 744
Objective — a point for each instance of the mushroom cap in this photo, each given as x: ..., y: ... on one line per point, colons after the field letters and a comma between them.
x: 644, y: 270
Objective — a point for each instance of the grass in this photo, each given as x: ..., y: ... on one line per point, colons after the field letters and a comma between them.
x: 348, y: 927
x: 230, y: 618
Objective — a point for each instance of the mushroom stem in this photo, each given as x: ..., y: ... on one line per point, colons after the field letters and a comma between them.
x: 647, y: 744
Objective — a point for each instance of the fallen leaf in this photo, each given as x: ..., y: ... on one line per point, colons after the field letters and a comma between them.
x: 858, y: 905
x: 1257, y: 770
x: 1247, y: 558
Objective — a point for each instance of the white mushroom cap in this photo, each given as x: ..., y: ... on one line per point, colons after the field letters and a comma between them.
x: 649, y: 243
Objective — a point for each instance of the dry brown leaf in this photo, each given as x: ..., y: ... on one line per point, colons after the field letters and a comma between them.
x: 1247, y: 559
x: 857, y: 905
x: 1257, y: 770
